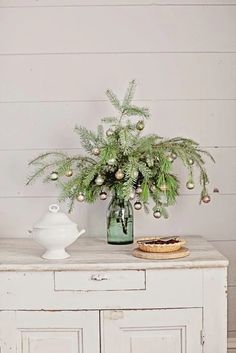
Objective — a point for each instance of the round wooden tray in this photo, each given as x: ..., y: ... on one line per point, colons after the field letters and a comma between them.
x: 182, y: 252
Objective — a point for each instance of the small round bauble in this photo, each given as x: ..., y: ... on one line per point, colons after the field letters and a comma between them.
x: 163, y: 187
x: 132, y: 195
x: 174, y: 156
x: 103, y: 195
x: 157, y: 214
x: 190, y: 185
x: 206, y: 199
x: 119, y: 174
x: 135, y: 174
x: 138, y: 205
x: 109, y: 132
x: 99, y: 180
x: 111, y: 161
x: 80, y: 197
x: 54, y: 176
x: 95, y: 151
x: 139, y: 190
x: 190, y: 161
x: 69, y: 173
x: 140, y: 125
x: 153, y: 188
x: 170, y: 158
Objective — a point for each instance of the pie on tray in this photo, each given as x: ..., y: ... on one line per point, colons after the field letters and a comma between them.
x: 160, y: 244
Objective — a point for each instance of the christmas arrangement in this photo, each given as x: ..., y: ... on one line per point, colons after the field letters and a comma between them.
x: 123, y: 162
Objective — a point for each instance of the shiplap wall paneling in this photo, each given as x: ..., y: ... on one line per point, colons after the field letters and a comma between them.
x: 74, y: 3
x: 187, y: 217
x: 176, y: 29
x: 160, y: 76
x: 211, y: 122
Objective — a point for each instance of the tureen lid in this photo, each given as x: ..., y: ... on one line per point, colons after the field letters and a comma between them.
x: 53, y: 218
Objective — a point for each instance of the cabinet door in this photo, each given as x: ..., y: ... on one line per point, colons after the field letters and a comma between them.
x: 49, y: 332
x: 152, y: 331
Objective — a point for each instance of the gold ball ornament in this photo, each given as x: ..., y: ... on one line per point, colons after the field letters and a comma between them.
x: 140, y: 125
x: 119, y: 174
x: 206, y: 199
x: 138, y: 205
x: 103, y: 195
x: 54, y: 176
x: 95, y: 151
x: 157, y: 214
x: 190, y: 185
x: 69, y: 173
x: 163, y: 187
x: 99, y: 180
x: 81, y: 197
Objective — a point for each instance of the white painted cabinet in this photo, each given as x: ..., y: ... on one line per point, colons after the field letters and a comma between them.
x: 152, y: 331
x: 103, y: 300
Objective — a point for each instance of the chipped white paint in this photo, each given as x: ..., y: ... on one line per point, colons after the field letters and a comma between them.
x: 45, y: 304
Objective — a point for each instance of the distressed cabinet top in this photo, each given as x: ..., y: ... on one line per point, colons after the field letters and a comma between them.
x: 93, y: 253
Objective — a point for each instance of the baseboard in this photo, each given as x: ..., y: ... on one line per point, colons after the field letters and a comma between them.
x: 232, y: 343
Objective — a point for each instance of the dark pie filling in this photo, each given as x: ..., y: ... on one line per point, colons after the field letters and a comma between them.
x: 159, y: 241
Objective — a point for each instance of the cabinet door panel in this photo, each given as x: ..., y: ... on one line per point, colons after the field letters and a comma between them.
x: 152, y: 331
x: 49, y: 332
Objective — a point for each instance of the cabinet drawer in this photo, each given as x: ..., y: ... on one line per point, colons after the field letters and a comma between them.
x: 100, y: 280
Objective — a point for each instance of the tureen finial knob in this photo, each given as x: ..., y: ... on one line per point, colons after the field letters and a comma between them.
x: 54, y: 208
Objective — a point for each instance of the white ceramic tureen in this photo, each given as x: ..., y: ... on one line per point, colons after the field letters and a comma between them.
x: 55, y: 231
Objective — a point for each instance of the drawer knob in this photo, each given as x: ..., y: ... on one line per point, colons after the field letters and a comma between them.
x: 99, y: 277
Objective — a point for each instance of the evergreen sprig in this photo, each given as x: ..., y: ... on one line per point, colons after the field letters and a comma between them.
x: 145, y: 161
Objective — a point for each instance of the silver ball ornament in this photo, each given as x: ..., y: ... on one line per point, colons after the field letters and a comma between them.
x: 153, y: 188
x: 191, y: 161
x: 103, y: 195
x: 81, y: 197
x: 138, y: 205
x: 109, y: 132
x: 157, y: 214
x: 206, y: 199
x: 111, y: 161
x: 119, y: 174
x: 135, y: 174
x: 54, y: 176
x: 99, y: 180
x: 95, y: 151
x: 69, y: 173
x: 170, y: 158
x: 139, y: 190
x: 190, y: 185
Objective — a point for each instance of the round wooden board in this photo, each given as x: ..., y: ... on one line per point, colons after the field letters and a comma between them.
x: 182, y: 252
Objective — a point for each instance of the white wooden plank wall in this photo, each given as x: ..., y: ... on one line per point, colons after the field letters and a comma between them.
x: 57, y: 57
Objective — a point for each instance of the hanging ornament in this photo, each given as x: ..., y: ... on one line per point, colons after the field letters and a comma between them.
x: 190, y: 161
x: 170, y: 158
x: 103, y: 195
x: 138, y: 205
x: 163, y: 187
x: 119, y: 174
x: 132, y: 195
x: 153, y: 188
x: 69, y: 173
x: 140, y: 125
x: 157, y: 214
x: 173, y: 155
x: 206, y: 199
x: 190, y: 185
x: 135, y: 174
x: 54, y: 176
x: 109, y: 132
x: 99, y: 180
x: 95, y: 151
x: 139, y: 190
x: 81, y: 197
x: 111, y: 161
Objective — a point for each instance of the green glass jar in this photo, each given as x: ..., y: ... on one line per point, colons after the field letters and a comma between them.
x: 120, y: 222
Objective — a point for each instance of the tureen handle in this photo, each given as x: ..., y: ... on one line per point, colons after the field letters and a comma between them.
x: 54, y: 208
